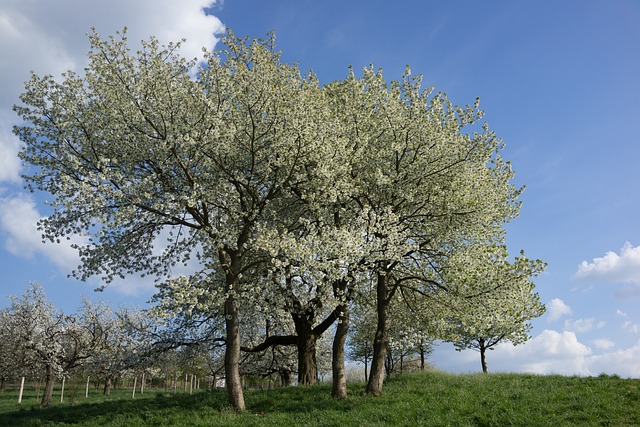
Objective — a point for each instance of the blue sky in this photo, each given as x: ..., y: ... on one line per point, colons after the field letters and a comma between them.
x: 558, y: 80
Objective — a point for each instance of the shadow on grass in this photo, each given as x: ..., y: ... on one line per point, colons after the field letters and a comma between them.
x: 102, y: 412
x: 291, y: 400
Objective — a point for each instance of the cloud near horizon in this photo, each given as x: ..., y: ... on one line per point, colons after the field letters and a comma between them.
x: 549, y: 353
x: 622, y: 268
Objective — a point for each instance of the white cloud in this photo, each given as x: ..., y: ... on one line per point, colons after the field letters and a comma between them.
x: 631, y: 327
x: 550, y: 352
x: 553, y: 343
x: 18, y: 223
x: 613, y: 267
x: 603, y: 343
x: 556, y: 308
x: 582, y: 325
x: 9, y: 146
x: 50, y: 37
x: 622, y: 362
x: 131, y: 286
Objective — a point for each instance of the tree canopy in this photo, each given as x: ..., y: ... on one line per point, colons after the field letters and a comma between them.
x: 292, y: 198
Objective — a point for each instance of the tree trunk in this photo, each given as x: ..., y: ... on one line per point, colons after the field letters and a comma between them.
x: 232, y: 356
x: 232, y: 260
x: 285, y: 377
x: 483, y: 358
x: 380, y: 342
x: 307, y: 365
x: 48, y: 387
x: 389, y: 364
x: 339, y: 388
x: 107, y: 386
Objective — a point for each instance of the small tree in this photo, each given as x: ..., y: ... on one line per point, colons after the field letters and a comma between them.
x: 361, y: 337
x: 498, y: 299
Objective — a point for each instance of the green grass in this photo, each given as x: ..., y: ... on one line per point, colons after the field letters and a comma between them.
x: 428, y: 399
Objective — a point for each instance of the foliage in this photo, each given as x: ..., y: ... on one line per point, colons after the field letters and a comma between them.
x: 124, y: 347
x: 287, y: 201
x: 426, y: 180
x: 497, y: 298
x: 137, y: 147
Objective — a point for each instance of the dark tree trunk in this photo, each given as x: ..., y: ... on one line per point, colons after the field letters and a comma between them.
x: 285, y: 377
x: 3, y: 384
x: 48, y: 386
x: 307, y: 365
x: 483, y: 357
x: 107, y: 386
x: 380, y: 342
x: 232, y: 356
x: 339, y: 387
x: 305, y: 340
x: 389, y: 363
x: 231, y: 260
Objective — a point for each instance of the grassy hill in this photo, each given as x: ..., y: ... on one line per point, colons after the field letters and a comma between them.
x: 418, y: 399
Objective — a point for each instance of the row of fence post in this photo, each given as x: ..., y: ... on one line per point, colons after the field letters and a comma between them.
x: 192, y: 382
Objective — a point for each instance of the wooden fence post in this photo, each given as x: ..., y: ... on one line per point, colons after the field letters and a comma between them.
x: 62, y: 390
x: 21, y: 390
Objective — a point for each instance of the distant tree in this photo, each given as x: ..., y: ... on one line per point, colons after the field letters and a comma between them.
x: 124, y: 344
x: 361, y: 335
x: 498, y: 299
x: 424, y: 347
x: 13, y: 358
x: 48, y: 339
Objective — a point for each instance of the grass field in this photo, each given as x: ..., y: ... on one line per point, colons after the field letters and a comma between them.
x: 418, y: 399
